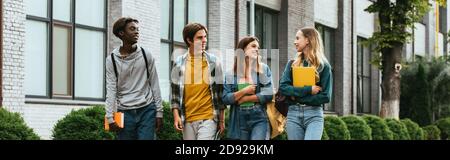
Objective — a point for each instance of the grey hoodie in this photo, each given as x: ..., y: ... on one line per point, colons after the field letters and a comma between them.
x: 133, y: 90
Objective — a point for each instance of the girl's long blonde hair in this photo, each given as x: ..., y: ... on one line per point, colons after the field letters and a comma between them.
x: 315, y: 56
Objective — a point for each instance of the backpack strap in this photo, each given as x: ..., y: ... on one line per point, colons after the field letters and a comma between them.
x: 115, y: 66
x: 258, y: 89
x: 146, y: 62
x: 289, y: 64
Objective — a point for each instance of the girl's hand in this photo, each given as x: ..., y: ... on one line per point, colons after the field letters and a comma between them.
x: 242, y: 100
x: 250, y: 90
x: 315, y: 90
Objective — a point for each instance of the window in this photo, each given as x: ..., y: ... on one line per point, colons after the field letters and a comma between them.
x: 364, y: 78
x: 440, y: 45
x: 37, y: 8
x: 65, y: 49
x: 175, y: 14
x: 197, y: 11
x: 89, y: 79
x: 179, y: 19
x: 266, y: 30
x: 328, y: 42
x: 443, y: 25
x: 62, y: 61
x: 326, y: 12
x: 62, y: 10
x: 419, y: 40
x: 36, y: 58
x: 328, y: 39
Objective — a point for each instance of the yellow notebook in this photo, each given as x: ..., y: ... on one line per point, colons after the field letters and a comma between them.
x: 118, y: 118
x: 304, y: 76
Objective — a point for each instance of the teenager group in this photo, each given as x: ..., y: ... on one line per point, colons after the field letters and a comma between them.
x: 201, y: 90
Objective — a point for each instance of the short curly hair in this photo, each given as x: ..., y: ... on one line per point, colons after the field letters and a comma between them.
x: 121, y: 23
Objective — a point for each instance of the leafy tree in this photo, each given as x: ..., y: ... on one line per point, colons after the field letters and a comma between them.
x: 395, y: 17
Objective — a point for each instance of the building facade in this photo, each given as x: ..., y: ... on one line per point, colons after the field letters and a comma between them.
x: 53, y: 51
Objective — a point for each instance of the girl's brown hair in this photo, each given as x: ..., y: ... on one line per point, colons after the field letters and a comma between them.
x: 243, y: 43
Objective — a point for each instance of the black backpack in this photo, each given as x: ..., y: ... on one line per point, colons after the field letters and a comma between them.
x: 281, y: 101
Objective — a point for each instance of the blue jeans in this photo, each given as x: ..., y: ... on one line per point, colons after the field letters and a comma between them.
x: 139, y: 124
x: 253, y: 123
x: 305, y: 123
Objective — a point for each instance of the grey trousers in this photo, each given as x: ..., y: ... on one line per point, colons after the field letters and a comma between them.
x: 200, y: 130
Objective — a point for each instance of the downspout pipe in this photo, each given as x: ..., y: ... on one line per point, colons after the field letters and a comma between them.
x: 252, y: 17
x: 236, y: 23
x: 1, y: 53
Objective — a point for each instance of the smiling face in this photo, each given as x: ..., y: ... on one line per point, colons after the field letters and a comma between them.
x: 300, y: 41
x: 252, y: 50
x: 131, y: 33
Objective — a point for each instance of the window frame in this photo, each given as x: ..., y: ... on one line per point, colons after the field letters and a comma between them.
x: 331, y: 107
x: 171, y: 42
x: 50, y: 25
x: 262, y: 10
x: 360, y: 108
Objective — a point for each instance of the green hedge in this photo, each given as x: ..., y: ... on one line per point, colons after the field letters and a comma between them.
x: 425, y: 76
x: 325, y: 136
x: 281, y: 137
x: 414, y: 131
x: 168, y: 131
x: 380, y: 130
x: 359, y: 130
x: 336, y: 128
x: 432, y: 132
x: 13, y: 127
x: 444, y: 126
x: 398, y: 129
x: 88, y: 124
x: 83, y: 124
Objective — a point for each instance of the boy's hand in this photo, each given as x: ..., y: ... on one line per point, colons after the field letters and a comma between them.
x: 221, y: 127
x: 178, y: 124
x: 159, y: 124
x: 113, y: 127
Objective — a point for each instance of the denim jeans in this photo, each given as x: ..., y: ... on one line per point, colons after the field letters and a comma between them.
x: 200, y: 130
x: 305, y: 123
x: 253, y: 123
x: 139, y: 124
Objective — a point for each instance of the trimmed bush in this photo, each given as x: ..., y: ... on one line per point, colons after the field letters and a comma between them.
x: 325, y: 136
x: 414, y: 131
x: 358, y: 128
x: 281, y: 137
x: 444, y: 126
x: 336, y: 128
x: 84, y: 124
x: 432, y: 132
x: 380, y: 130
x: 284, y: 136
x: 398, y: 129
x: 168, y: 132
x: 13, y: 127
